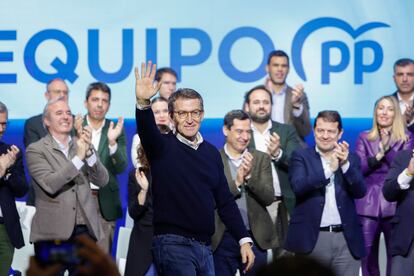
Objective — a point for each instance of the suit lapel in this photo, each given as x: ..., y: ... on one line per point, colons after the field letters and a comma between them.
x: 288, y: 107
x: 225, y: 159
x: 104, y: 138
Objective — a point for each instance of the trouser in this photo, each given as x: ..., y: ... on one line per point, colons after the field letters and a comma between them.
x: 403, y: 265
x: 372, y: 228
x: 108, y: 228
x: 176, y: 255
x: 227, y: 257
x: 332, y: 250
x: 6, y: 251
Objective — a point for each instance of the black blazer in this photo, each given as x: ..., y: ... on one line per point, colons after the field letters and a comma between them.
x: 12, y: 186
x: 402, y: 233
x: 139, y: 256
x: 308, y: 183
x: 411, y: 127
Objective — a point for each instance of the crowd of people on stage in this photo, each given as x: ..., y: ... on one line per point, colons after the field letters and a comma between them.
x: 265, y: 195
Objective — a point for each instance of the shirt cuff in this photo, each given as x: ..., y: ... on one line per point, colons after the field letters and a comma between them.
x: 143, y: 107
x: 77, y: 162
x: 404, y: 180
x: 245, y: 240
x: 345, y: 167
x: 112, y: 149
x: 277, y: 158
x: 297, y: 111
x: 91, y: 160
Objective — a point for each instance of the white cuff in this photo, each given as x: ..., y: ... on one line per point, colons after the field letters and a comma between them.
x: 345, y: 166
x: 297, y: 111
x: 277, y: 158
x: 245, y: 240
x: 77, y: 162
x: 404, y: 180
x: 91, y: 160
x: 112, y: 149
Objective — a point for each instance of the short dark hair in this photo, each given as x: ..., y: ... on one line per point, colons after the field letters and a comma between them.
x: 258, y: 87
x: 184, y: 93
x: 331, y: 116
x: 233, y: 115
x: 160, y: 72
x: 402, y: 62
x: 277, y: 53
x: 98, y: 86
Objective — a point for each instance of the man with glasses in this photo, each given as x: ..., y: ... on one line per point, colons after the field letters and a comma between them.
x: 188, y: 183
x: 12, y: 184
x: 34, y: 129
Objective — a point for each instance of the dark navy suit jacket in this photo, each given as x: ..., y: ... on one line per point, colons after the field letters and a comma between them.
x: 14, y: 186
x: 308, y: 183
x: 402, y: 223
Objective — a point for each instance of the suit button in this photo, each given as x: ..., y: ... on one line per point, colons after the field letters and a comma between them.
x: 73, y: 208
x: 339, y: 207
x: 73, y: 190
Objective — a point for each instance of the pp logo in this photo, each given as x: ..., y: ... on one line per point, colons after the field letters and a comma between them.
x: 327, y: 68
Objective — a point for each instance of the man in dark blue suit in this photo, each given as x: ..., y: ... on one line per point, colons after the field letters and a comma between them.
x: 326, y: 179
x: 399, y: 187
x: 12, y: 184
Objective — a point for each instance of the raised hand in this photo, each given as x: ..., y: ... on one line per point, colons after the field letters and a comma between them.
x: 408, y: 114
x: 144, y: 83
x: 78, y: 124
x: 297, y: 94
x: 342, y: 152
x: 8, y: 159
x: 115, y: 131
x: 141, y: 179
x: 385, y: 139
x: 273, y: 145
x: 244, y: 169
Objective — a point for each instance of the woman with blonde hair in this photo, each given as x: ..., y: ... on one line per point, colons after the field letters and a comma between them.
x: 377, y: 148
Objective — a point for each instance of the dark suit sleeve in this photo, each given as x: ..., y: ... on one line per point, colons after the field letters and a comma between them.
x: 391, y: 189
x: 292, y: 144
x: 30, y: 134
x: 152, y: 140
x: 260, y: 185
x: 16, y: 181
x: 136, y: 211
x: 305, y: 179
x: 354, y: 180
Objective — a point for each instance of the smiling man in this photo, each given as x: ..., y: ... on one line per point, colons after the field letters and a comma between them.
x: 188, y: 184
x: 249, y: 177
x: 326, y: 179
x: 109, y: 141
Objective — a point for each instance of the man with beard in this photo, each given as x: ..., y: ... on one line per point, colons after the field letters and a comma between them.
x: 278, y: 141
x: 290, y: 105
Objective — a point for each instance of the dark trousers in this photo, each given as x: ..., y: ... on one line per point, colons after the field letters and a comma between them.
x: 6, y: 251
x: 372, y: 228
x: 227, y: 257
x: 176, y: 255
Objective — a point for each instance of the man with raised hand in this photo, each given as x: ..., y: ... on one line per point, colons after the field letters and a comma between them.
x: 188, y: 183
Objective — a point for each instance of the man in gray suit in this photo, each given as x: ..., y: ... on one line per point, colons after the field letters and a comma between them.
x: 62, y: 167
x: 249, y: 177
x: 290, y: 104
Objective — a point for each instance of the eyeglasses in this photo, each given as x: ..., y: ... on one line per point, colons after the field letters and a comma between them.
x: 195, y: 114
x: 3, y: 124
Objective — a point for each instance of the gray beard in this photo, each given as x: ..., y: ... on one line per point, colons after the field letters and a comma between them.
x: 260, y: 120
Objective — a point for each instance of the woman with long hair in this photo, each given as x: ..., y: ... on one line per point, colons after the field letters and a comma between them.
x: 377, y: 148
